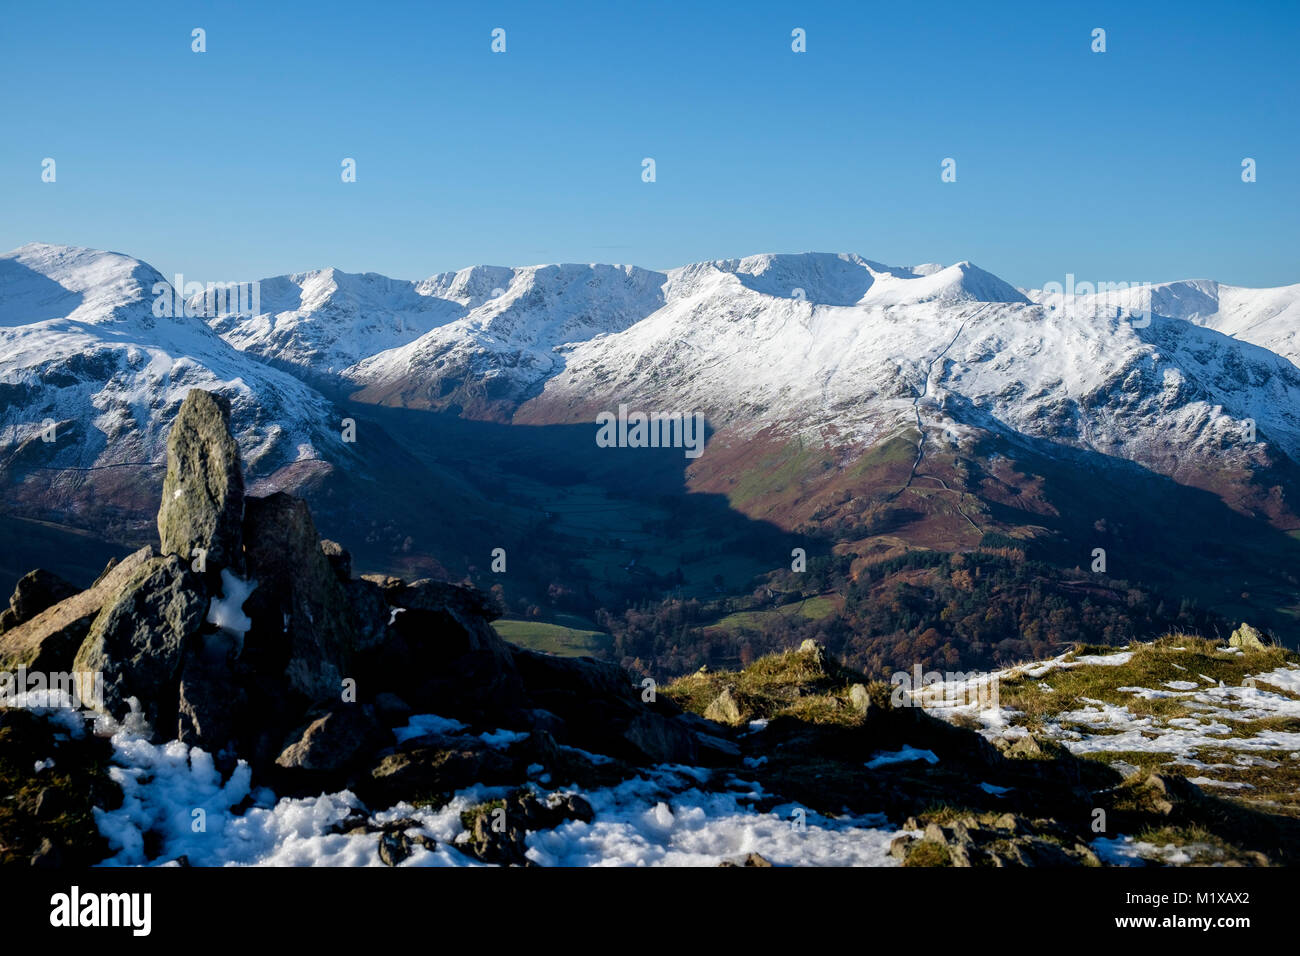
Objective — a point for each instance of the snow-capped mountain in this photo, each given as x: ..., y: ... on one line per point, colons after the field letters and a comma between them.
x: 837, y: 346
x: 328, y: 320
x: 857, y: 355
x: 482, y: 338
x: 83, y: 347
x: 507, y: 344
x: 848, y: 279
x: 1266, y: 317
x: 505, y: 348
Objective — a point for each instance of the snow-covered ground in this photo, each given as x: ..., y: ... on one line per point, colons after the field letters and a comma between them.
x: 1212, y: 717
x: 1211, y: 710
x: 667, y: 815
x: 663, y: 817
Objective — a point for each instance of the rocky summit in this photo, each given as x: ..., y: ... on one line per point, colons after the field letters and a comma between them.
x: 241, y: 664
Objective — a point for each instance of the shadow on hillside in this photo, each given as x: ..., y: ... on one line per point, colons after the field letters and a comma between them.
x: 612, y: 525
x: 1184, y: 542
x: 31, y: 297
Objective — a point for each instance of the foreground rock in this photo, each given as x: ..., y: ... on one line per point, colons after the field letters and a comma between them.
x: 138, y: 641
x: 333, y: 744
x: 302, y: 624
x: 48, y: 642
x: 1247, y: 636
x: 1006, y: 841
x: 203, y: 492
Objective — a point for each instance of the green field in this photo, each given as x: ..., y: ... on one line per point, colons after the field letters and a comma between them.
x: 553, y: 638
x: 811, y: 609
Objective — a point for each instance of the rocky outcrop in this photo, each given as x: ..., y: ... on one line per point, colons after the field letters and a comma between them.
x: 602, y: 710
x: 724, y: 708
x: 203, y: 493
x: 334, y: 743
x: 48, y: 642
x: 432, y: 768
x: 1008, y: 840
x: 339, y: 557
x: 396, y: 844
x: 1247, y: 636
x: 35, y: 592
x: 214, y: 707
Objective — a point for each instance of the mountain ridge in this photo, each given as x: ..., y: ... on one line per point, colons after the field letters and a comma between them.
x: 868, y: 408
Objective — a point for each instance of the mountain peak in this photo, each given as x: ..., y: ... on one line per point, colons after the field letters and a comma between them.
x: 848, y: 279
x: 960, y: 282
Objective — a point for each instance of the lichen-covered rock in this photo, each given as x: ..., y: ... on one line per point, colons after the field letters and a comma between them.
x: 432, y: 768
x: 1005, y: 841
x: 860, y: 699
x: 203, y: 493
x: 724, y: 708
x: 395, y: 844
x: 138, y: 640
x: 1247, y: 636
x: 495, y: 832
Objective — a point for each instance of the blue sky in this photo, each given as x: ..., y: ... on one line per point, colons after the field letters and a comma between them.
x: 1122, y: 166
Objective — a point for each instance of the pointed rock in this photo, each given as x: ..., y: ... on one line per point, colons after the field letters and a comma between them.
x: 724, y: 708
x: 203, y: 493
x: 1247, y: 636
